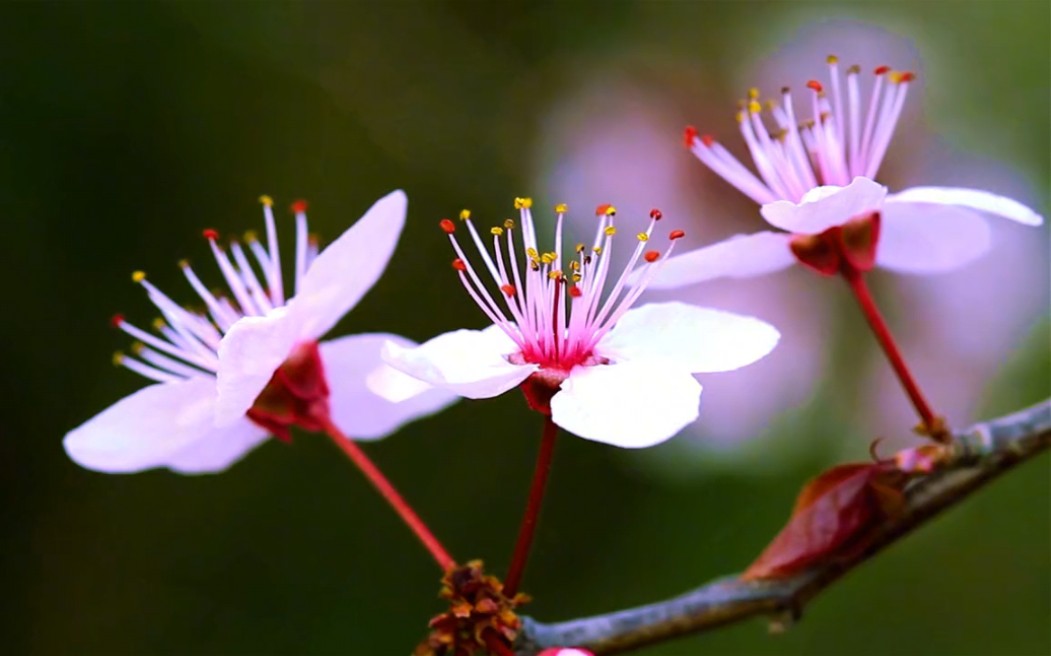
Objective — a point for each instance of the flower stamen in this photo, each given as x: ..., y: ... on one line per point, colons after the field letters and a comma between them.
x: 187, y: 341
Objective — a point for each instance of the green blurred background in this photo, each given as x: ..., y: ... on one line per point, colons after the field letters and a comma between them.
x: 128, y: 127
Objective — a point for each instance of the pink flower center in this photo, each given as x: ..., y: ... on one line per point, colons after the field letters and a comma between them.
x: 554, y: 304
x: 844, y: 138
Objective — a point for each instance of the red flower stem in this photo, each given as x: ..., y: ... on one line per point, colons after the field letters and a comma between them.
x: 384, y: 487
x: 532, y: 511
x: 856, y: 280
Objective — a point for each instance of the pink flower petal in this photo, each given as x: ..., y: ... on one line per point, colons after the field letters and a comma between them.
x: 690, y: 338
x: 356, y: 409
x: 342, y: 273
x: 471, y: 363
x: 975, y: 199
x: 157, y: 426
x: 930, y: 238
x: 631, y: 405
x: 249, y: 354
x: 221, y: 449
x: 740, y: 256
x: 824, y: 207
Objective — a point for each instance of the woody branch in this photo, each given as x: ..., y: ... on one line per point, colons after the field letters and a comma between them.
x: 982, y: 453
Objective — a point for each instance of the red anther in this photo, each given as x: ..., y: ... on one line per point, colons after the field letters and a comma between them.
x: 299, y: 206
x: 815, y: 85
x: 676, y: 234
x: 708, y: 140
x: 574, y: 291
x: 690, y: 135
x: 651, y: 256
x: 602, y: 209
x: 881, y: 70
x: 447, y: 225
x: 907, y: 76
x: 211, y: 234
x: 459, y: 265
x: 116, y: 320
x: 656, y: 214
x: 508, y: 290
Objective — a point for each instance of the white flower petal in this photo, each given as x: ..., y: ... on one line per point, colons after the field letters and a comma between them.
x: 471, y: 363
x: 740, y: 256
x: 222, y: 448
x: 631, y: 405
x: 343, y: 272
x: 357, y: 410
x: 929, y: 238
x: 824, y: 207
x: 691, y: 338
x: 249, y: 354
x: 973, y: 198
x: 145, y: 429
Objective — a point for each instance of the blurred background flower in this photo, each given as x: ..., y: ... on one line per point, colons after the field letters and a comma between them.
x: 128, y: 128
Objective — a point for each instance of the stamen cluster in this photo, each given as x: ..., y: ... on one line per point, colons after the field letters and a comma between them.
x: 840, y: 141
x: 187, y: 339
x: 554, y: 306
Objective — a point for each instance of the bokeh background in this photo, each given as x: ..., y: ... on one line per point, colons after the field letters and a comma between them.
x: 126, y: 128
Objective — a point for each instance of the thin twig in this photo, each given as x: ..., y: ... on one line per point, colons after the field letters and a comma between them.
x: 984, y: 452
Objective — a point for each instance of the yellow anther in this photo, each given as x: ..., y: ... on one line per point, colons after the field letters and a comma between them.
x: 832, y: 59
x: 576, y: 277
x: 574, y: 265
x: 465, y: 214
x: 611, y: 210
x: 642, y: 236
x: 739, y: 116
x: 580, y: 248
x: 250, y: 236
x: 895, y: 76
x: 266, y: 201
x: 561, y: 208
x: 531, y: 252
x: 553, y: 255
x: 159, y: 323
x: 137, y: 348
x: 753, y: 93
x: 854, y: 70
x: 509, y: 224
x: 554, y: 275
x: 496, y: 231
x: 523, y: 203
x: 546, y: 258
x: 754, y: 107
x: 597, y: 250
x: 118, y: 358
x: 770, y: 105
x: 184, y: 264
x: 780, y: 135
x: 610, y: 231
x: 138, y: 276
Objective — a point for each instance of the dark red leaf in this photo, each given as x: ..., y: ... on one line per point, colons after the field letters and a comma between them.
x: 833, y: 515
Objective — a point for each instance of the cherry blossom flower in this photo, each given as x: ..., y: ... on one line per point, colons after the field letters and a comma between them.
x: 565, y: 651
x: 248, y: 365
x: 581, y: 354
x: 818, y: 174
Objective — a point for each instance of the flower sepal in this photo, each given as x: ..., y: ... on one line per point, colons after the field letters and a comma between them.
x: 848, y: 246
x: 297, y: 395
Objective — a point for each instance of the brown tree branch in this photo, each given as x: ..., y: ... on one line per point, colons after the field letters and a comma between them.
x: 982, y: 453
